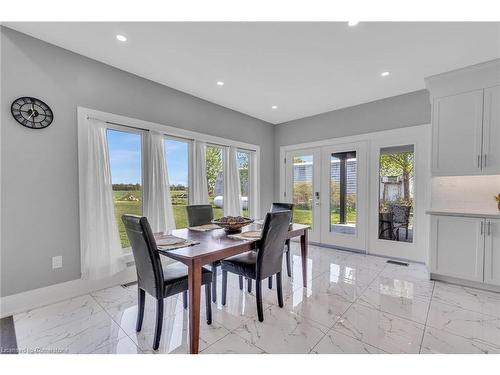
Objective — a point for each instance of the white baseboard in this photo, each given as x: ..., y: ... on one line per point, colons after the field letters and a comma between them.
x: 24, y: 301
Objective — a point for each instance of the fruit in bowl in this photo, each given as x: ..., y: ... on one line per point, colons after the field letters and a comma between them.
x: 232, y: 223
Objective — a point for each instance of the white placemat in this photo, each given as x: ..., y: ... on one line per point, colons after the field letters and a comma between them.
x: 248, y: 236
x: 205, y: 227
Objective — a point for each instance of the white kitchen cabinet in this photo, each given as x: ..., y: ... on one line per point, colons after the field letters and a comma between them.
x: 491, y: 131
x: 492, y: 252
x: 457, y: 247
x: 466, y: 120
x: 457, y: 134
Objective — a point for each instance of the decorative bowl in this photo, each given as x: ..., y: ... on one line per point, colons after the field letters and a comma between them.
x: 232, y: 224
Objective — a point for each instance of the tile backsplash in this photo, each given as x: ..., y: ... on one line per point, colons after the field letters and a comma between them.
x: 465, y: 192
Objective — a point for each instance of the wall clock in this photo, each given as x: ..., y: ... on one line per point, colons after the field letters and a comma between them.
x: 31, y: 112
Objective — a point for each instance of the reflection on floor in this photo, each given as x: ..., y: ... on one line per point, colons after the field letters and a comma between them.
x: 354, y: 304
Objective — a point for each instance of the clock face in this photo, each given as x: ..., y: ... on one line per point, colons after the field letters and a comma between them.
x: 32, y: 112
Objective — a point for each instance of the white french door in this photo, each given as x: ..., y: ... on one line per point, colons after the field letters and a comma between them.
x: 344, y: 195
x: 328, y: 188
x: 366, y: 192
x: 303, y: 188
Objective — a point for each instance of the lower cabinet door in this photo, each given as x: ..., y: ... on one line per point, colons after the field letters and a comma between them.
x: 492, y: 252
x: 457, y: 247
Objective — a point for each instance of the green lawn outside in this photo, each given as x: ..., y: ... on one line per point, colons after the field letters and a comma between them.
x: 179, y: 202
x: 302, y: 216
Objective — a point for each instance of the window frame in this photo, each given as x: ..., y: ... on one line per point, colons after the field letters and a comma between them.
x: 131, y: 125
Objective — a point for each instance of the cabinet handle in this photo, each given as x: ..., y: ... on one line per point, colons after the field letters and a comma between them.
x: 489, y: 228
x: 479, y: 161
x: 482, y: 224
x: 484, y: 162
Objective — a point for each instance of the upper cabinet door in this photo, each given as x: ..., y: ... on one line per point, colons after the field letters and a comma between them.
x: 491, y: 131
x: 492, y: 252
x: 457, y: 134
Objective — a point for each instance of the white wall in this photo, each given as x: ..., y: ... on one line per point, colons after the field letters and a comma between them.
x: 39, y: 192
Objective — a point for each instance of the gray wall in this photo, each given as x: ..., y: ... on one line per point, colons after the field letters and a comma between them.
x: 39, y: 168
x: 395, y: 112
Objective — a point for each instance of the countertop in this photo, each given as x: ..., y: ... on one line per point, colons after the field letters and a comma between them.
x: 486, y: 214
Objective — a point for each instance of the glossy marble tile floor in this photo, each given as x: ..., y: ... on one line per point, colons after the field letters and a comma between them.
x: 353, y: 304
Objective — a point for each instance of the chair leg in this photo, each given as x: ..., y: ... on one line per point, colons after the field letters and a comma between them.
x: 270, y: 282
x: 185, y: 299
x: 224, y: 287
x: 279, y: 288
x: 258, y: 297
x: 288, y: 260
x: 214, y: 283
x: 159, y: 323
x: 249, y: 285
x: 240, y: 278
x: 208, y: 304
x: 140, y: 311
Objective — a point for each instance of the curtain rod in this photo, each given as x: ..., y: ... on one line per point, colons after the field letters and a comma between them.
x: 168, y: 135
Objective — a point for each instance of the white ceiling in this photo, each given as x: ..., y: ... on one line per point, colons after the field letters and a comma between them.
x: 303, y: 68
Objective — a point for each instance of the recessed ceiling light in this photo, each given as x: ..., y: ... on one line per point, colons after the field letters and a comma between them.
x: 121, y: 38
x: 274, y: 107
x: 352, y: 23
x: 384, y: 74
x: 220, y: 83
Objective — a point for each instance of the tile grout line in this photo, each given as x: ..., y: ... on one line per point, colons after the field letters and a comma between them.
x: 352, y: 303
x: 118, y: 324
x: 427, y: 318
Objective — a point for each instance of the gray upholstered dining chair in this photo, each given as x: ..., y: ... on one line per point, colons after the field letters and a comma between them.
x: 263, y: 263
x: 276, y: 207
x: 201, y: 214
x: 158, y: 280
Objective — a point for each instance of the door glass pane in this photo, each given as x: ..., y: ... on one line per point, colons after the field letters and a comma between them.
x: 243, y: 168
x: 302, y: 189
x: 126, y: 176
x: 343, y: 191
x: 215, y: 179
x: 396, y: 189
x: 177, y: 159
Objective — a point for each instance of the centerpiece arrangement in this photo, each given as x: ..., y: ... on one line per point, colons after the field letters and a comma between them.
x: 232, y: 224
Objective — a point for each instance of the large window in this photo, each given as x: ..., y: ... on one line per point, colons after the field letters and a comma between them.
x: 396, y: 193
x: 244, y: 171
x: 215, y: 178
x: 126, y: 175
x: 177, y: 159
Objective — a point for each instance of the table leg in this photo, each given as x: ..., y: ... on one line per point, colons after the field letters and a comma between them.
x: 303, y: 251
x: 194, y: 282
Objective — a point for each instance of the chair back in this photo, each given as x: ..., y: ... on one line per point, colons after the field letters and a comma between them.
x: 146, y: 257
x: 274, y: 233
x: 400, y: 213
x: 199, y: 214
x: 278, y: 206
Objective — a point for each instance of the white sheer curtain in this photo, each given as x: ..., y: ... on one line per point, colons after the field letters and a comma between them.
x: 101, y: 249
x: 158, y: 207
x: 200, y: 186
x: 232, y: 188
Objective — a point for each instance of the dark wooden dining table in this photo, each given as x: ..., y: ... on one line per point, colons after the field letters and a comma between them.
x: 216, y: 245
